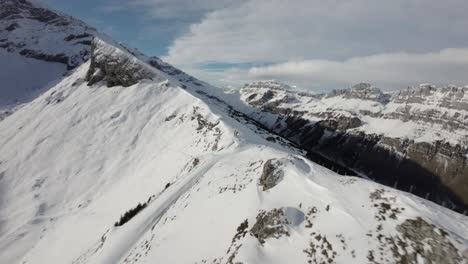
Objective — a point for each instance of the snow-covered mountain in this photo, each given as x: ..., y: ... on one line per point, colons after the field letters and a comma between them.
x: 129, y: 160
x: 415, y: 140
x: 34, y: 39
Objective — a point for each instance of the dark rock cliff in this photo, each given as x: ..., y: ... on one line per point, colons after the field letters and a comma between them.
x: 114, y: 67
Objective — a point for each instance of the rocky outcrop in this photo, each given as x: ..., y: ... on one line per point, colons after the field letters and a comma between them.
x: 12, y: 9
x: 60, y: 58
x: 173, y: 72
x: 344, y: 129
x: 272, y: 174
x: 164, y: 67
x: 421, y: 240
x: 115, y: 67
x: 364, y: 91
x: 271, y: 224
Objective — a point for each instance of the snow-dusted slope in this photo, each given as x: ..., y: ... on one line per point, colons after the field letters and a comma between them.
x: 214, y: 188
x: 421, y: 114
x: 415, y: 139
x: 37, y: 46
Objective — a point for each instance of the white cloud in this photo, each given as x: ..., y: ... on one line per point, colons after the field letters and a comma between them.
x: 229, y: 77
x: 277, y: 30
x: 303, y: 37
x: 386, y: 70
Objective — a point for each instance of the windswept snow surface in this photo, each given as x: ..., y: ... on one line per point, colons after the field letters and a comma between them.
x: 78, y: 157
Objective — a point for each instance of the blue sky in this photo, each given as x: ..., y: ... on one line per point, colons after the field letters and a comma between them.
x: 314, y: 44
x: 133, y: 26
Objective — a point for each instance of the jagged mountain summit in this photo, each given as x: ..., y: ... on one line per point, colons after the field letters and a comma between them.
x: 129, y: 160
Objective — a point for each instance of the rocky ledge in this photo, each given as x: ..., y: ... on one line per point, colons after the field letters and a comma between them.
x: 115, y: 66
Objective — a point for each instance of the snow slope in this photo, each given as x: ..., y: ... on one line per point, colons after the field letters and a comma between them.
x: 217, y: 189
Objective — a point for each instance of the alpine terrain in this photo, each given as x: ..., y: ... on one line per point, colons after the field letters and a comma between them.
x: 415, y: 140
x: 116, y: 157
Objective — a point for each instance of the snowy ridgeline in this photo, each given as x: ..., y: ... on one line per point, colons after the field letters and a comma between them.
x: 163, y: 172
x: 422, y: 114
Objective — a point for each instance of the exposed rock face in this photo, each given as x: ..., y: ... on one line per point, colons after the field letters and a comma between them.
x: 269, y: 84
x: 425, y: 241
x: 12, y: 9
x: 272, y: 174
x: 114, y: 68
x: 449, y: 106
x: 174, y: 72
x: 364, y: 91
x: 271, y: 224
x: 415, y: 140
x: 60, y: 58
x: 164, y: 67
x: 37, y: 32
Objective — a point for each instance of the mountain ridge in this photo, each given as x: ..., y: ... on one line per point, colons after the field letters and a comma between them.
x: 215, y: 186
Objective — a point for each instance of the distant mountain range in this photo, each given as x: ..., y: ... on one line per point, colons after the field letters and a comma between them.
x: 415, y: 140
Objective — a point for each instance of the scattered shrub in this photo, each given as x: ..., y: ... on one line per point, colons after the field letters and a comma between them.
x: 130, y: 214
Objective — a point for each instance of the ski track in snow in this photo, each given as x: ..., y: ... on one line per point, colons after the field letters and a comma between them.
x: 150, y: 216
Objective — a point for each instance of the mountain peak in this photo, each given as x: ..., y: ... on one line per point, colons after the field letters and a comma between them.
x: 118, y: 65
x: 269, y: 84
x: 115, y: 65
x: 363, y: 91
x: 362, y: 86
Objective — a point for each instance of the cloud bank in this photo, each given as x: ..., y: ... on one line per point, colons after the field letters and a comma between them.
x: 394, y: 70
x: 321, y: 43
